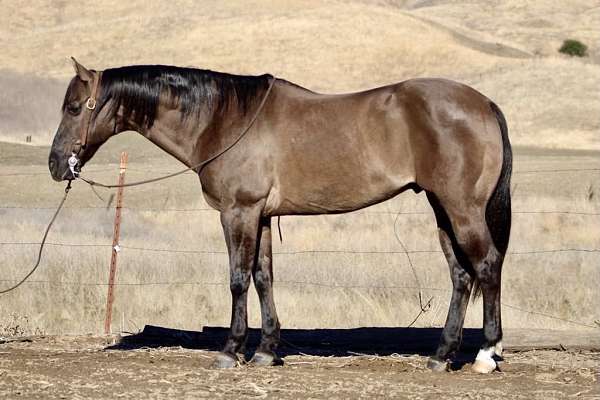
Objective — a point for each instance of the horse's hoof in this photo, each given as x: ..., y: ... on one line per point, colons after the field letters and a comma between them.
x: 224, y: 360
x: 437, y: 365
x: 484, y: 363
x: 483, y: 367
x: 266, y: 359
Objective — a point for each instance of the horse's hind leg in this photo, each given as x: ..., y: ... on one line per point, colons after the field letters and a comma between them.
x: 487, y: 263
x: 475, y: 255
x: 461, y: 289
x: 263, y: 281
x: 475, y: 240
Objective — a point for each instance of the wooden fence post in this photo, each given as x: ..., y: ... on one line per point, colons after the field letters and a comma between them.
x: 115, y: 245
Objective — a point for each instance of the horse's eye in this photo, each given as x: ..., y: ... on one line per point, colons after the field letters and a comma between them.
x: 74, y: 108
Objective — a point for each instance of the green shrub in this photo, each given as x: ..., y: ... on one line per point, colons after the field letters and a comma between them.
x: 573, y: 48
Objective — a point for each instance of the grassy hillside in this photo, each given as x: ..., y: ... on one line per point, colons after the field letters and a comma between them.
x: 507, y: 51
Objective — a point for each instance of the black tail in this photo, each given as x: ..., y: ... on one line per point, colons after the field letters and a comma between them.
x: 498, y: 212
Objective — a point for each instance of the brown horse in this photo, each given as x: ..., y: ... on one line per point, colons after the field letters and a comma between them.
x: 265, y: 147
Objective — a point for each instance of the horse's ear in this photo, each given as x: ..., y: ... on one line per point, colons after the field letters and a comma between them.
x: 82, y: 72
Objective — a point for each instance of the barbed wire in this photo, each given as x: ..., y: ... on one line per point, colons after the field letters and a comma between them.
x: 292, y: 252
x: 535, y: 171
x: 150, y: 170
x: 570, y: 321
x: 101, y: 169
x: 297, y: 252
x: 55, y: 244
x: 207, y: 209
x: 293, y: 284
x: 289, y: 282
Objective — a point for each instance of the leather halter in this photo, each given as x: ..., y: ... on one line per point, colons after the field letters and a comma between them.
x: 90, y: 106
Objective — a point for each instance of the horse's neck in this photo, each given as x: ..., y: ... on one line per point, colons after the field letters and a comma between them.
x: 180, y: 138
x: 196, y: 138
x: 171, y: 138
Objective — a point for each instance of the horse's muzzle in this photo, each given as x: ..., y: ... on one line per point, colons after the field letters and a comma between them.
x: 59, y: 167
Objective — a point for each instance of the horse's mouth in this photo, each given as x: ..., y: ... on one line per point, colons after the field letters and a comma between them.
x: 55, y: 172
x: 68, y: 175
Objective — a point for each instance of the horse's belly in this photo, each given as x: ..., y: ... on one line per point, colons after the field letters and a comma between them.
x: 334, y: 186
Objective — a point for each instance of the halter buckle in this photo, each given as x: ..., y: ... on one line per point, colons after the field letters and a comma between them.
x: 90, y: 104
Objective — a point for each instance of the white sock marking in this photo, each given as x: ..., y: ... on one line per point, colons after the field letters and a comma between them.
x: 485, y: 357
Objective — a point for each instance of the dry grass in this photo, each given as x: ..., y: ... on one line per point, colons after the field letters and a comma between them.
x: 191, y: 290
x: 507, y: 51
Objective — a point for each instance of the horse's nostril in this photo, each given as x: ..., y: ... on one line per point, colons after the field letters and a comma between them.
x: 53, y: 162
x: 54, y: 166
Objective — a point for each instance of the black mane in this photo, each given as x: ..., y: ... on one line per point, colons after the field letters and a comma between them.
x: 138, y: 89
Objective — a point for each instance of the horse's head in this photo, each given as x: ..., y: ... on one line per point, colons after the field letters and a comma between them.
x: 84, y: 126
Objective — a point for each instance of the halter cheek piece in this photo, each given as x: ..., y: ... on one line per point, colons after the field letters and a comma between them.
x: 90, y: 106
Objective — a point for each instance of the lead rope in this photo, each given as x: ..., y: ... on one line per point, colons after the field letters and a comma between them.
x: 39, y: 257
x: 198, y: 166
x: 73, y: 161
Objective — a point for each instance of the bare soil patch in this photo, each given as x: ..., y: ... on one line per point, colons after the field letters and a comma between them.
x: 84, y: 367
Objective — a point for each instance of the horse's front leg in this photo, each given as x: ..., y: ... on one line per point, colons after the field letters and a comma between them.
x: 240, y: 225
x: 263, y: 281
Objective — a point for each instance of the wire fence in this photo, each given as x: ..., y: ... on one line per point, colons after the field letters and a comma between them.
x: 154, y: 171
x: 202, y: 209
x: 296, y: 283
x: 296, y: 252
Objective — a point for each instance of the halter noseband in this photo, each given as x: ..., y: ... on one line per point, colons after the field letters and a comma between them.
x: 81, y: 143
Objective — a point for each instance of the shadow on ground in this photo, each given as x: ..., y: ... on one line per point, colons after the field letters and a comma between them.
x: 317, y: 342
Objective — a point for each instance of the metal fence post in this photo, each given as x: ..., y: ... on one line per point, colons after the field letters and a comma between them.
x: 115, y: 245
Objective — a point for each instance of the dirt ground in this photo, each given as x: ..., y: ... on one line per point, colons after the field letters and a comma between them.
x: 84, y: 367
